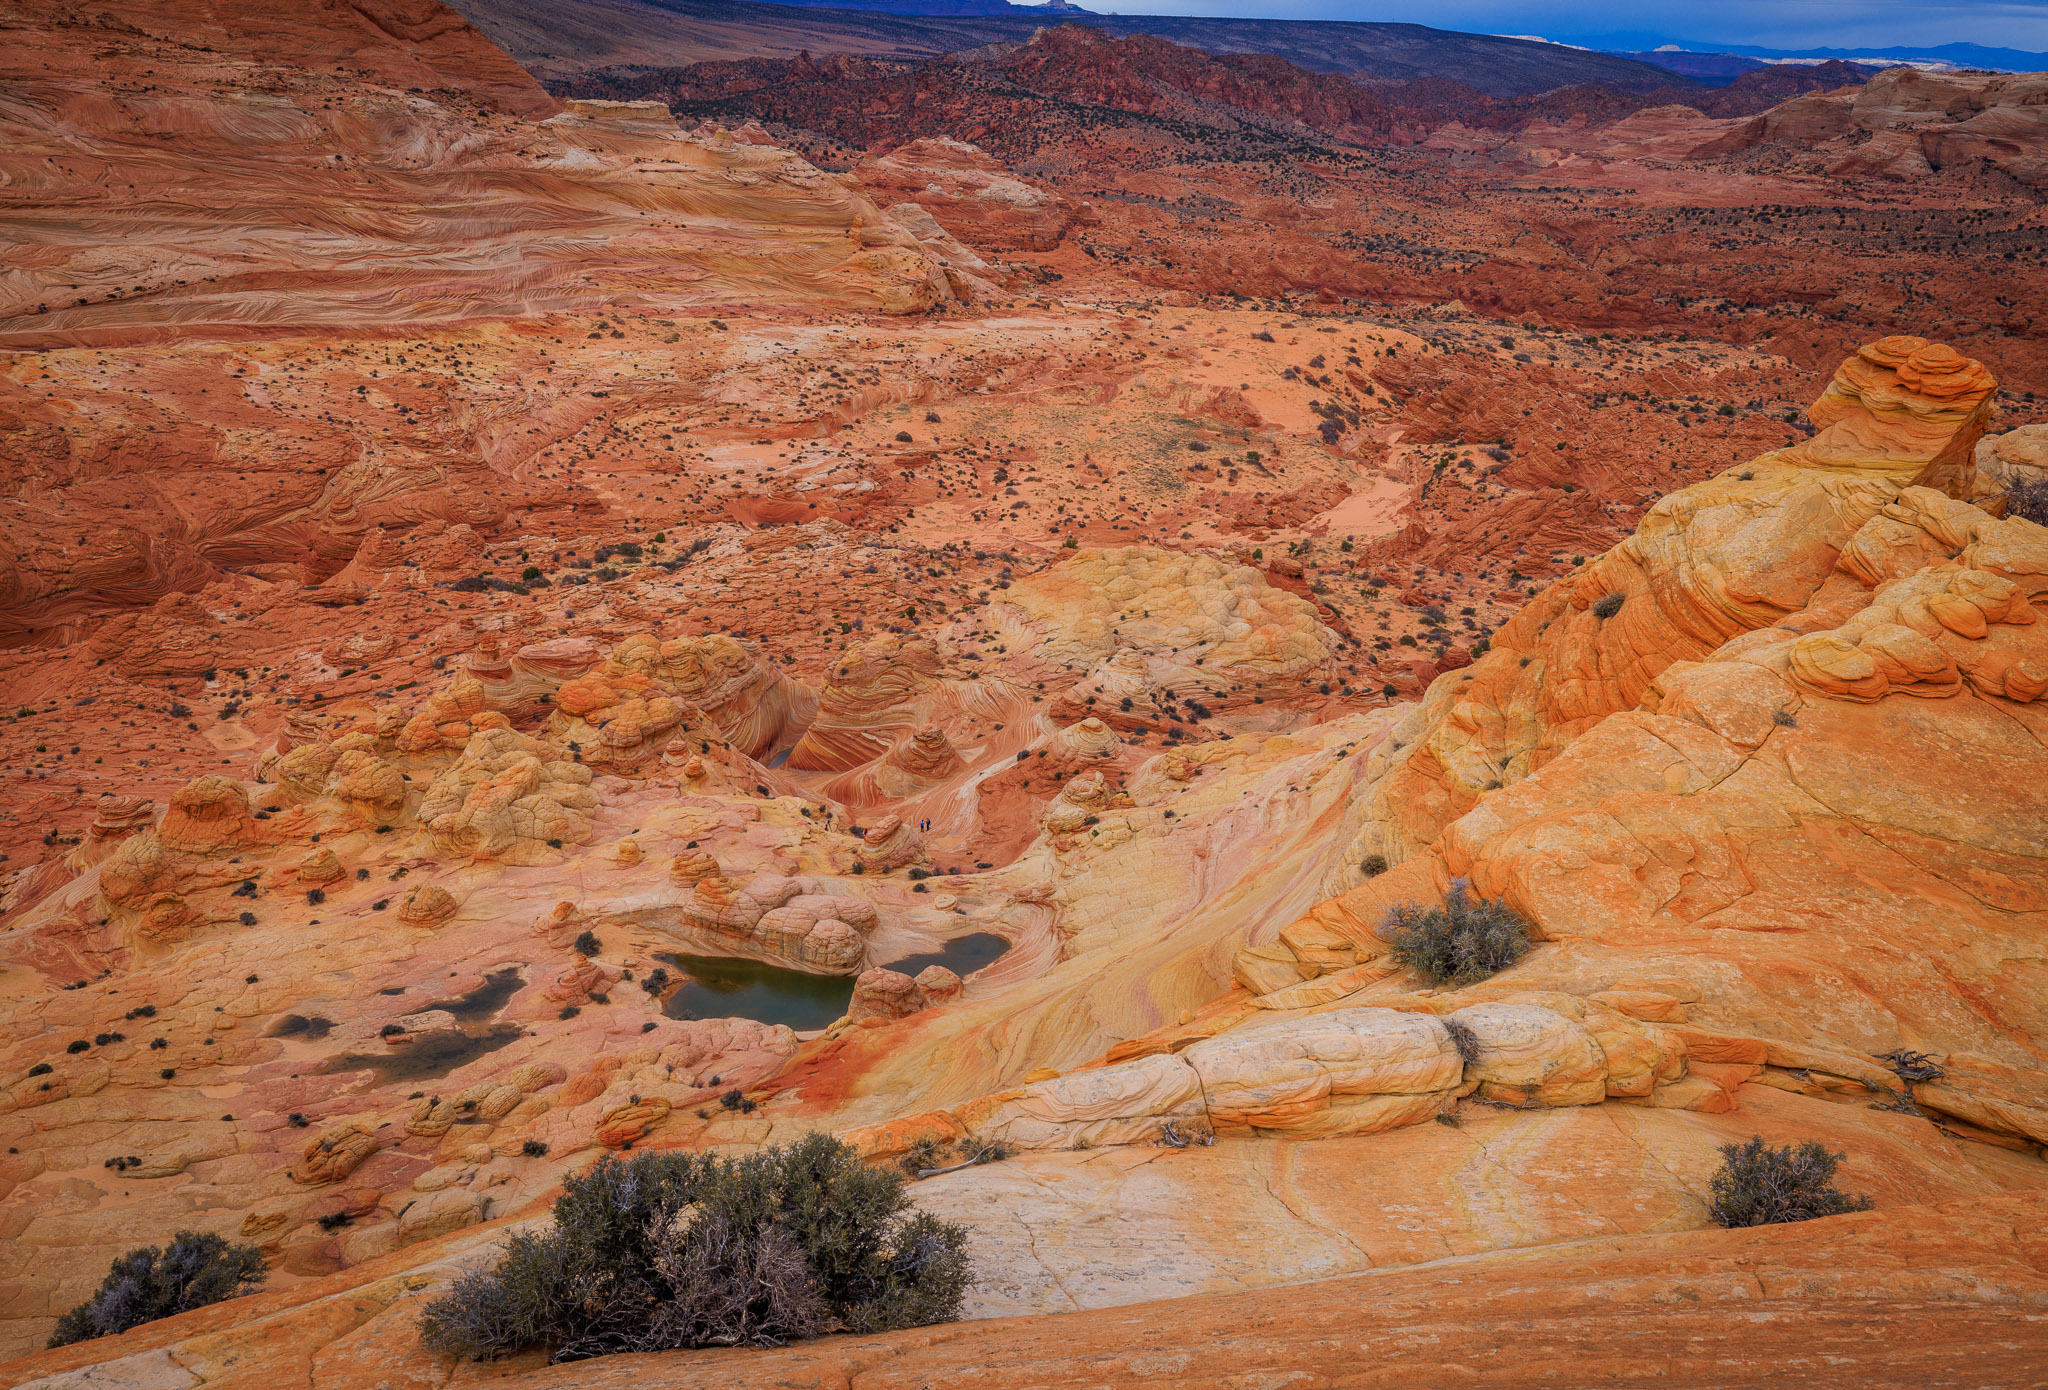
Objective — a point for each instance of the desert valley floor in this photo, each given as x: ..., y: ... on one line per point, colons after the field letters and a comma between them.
x: 508, y: 548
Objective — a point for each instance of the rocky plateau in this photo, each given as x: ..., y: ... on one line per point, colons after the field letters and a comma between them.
x: 1041, y: 546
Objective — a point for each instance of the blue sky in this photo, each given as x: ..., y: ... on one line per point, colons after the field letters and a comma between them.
x: 1627, y: 23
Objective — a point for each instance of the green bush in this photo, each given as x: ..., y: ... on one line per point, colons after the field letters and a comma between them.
x: 150, y: 1283
x: 1759, y: 1186
x: 1460, y: 943
x: 674, y: 1250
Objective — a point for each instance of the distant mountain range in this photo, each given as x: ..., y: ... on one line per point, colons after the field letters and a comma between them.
x: 558, y: 38
x: 1058, y: 9
x: 1692, y: 56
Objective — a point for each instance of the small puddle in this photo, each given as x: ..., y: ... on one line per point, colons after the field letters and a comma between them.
x: 429, y: 1054
x: 486, y: 999
x: 723, y: 988
x: 963, y: 955
x: 308, y: 1026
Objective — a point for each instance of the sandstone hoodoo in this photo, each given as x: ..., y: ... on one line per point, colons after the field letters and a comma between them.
x: 1207, y: 688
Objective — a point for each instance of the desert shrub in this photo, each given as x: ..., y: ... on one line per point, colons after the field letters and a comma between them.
x: 672, y: 1250
x: 2027, y: 497
x: 1913, y: 1066
x: 151, y: 1282
x: 1760, y: 1186
x: 1373, y: 865
x: 1464, y: 1039
x: 927, y: 1152
x: 1464, y: 941
x: 1609, y: 604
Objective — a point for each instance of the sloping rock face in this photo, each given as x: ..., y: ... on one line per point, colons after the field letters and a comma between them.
x: 373, y: 169
x: 1905, y: 124
x: 1797, y: 541
x: 1733, y: 750
x: 328, y: 109
x: 970, y: 195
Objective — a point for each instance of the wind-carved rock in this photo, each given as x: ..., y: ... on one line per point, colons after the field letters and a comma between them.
x: 364, y: 787
x: 1350, y: 1072
x: 208, y: 815
x: 321, y: 866
x: 1871, y: 499
x: 1083, y: 798
x: 883, y: 995
x: 300, y: 728
x: 1087, y: 739
x: 166, y: 918
x: 563, y: 924
x: 1532, y: 1056
x: 622, y: 722
x: 971, y: 195
x: 753, y: 705
x: 1903, y: 407
x: 868, y: 701
x: 773, y: 916
x: 821, y: 931
x: 916, y: 763
x: 489, y: 662
x: 140, y: 872
x: 115, y: 818
x: 1311, y: 1076
x: 506, y: 798
x: 1926, y: 633
x: 926, y: 757
x: 489, y: 689
x: 891, y: 843
x: 334, y: 1154
x: 1100, y: 603
x: 427, y: 905
x: 1126, y: 675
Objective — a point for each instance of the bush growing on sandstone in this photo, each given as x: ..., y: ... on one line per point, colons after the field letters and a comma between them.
x: 1460, y: 943
x: 1761, y: 1186
x: 2027, y: 497
x: 152, y: 1282
x: 1464, y: 1039
x: 674, y: 1250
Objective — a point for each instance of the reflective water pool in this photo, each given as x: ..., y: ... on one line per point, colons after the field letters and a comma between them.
x: 722, y: 988
x: 963, y: 955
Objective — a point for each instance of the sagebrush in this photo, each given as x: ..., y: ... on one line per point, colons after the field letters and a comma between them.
x: 675, y: 1250
x: 1462, y: 942
x: 2027, y: 497
x: 1757, y: 1185
x: 1463, y: 1039
x: 154, y: 1282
